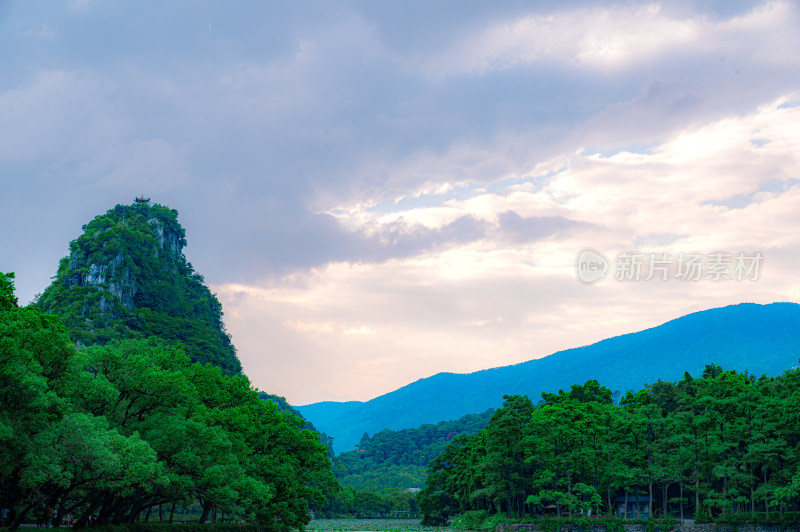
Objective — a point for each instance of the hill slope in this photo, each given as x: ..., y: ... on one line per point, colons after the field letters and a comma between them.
x: 399, y: 459
x: 758, y: 338
x: 126, y: 277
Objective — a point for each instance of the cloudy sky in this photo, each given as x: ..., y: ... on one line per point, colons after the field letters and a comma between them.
x: 378, y: 191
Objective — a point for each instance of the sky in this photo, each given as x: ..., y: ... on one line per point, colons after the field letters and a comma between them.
x: 378, y: 191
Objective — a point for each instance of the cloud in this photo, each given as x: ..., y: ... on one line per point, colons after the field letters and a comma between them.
x: 617, y: 37
x: 154, y: 165
x: 509, y: 293
x: 412, y: 183
x: 49, y: 115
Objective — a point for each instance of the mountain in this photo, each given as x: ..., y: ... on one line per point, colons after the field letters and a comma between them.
x: 759, y: 338
x: 126, y: 277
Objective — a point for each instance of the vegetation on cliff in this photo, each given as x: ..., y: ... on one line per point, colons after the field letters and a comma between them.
x: 126, y: 277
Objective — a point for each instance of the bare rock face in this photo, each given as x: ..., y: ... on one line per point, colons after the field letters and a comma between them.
x: 168, y: 240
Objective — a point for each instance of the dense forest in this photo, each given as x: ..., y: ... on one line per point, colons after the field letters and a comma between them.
x: 381, y: 477
x: 126, y: 277
x: 284, y: 406
x: 399, y: 458
x: 114, y: 430
x: 726, y: 444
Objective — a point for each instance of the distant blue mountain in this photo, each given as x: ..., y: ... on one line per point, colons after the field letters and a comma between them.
x: 763, y: 339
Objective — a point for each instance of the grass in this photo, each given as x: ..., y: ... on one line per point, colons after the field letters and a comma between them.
x: 369, y: 525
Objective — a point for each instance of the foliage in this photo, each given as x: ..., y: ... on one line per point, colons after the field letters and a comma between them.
x: 785, y: 520
x: 472, y: 520
x: 126, y: 277
x: 399, y: 458
x: 114, y: 430
x: 376, y: 525
x: 177, y: 527
x: 284, y: 406
x: 719, y: 447
x: 381, y: 477
x: 7, y: 298
x: 362, y: 504
x: 609, y: 524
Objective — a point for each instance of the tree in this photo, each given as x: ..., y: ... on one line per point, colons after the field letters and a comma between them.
x: 7, y: 298
x: 504, y: 467
x: 115, y: 430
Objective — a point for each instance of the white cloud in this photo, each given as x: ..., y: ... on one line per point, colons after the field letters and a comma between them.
x: 619, y: 37
x: 492, y: 302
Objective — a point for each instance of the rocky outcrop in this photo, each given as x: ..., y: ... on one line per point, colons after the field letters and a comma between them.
x: 107, y: 274
x: 111, y: 273
x: 167, y: 240
x: 126, y: 277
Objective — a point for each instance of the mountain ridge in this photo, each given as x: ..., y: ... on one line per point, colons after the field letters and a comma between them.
x: 746, y: 336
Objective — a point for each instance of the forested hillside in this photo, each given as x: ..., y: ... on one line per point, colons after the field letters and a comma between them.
x: 723, y: 444
x: 398, y: 459
x: 115, y: 430
x: 284, y: 406
x: 126, y: 277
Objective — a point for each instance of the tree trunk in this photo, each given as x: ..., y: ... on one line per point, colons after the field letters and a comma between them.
x: 724, y: 493
x: 171, y: 512
x: 87, y: 514
x: 780, y: 471
x: 696, y: 476
x: 650, y: 471
x: 569, y: 491
x: 15, y: 518
x: 508, y: 499
x: 680, y: 460
x: 206, y: 509
x: 597, y: 489
x: 626, y: 504
x: 60, y: 507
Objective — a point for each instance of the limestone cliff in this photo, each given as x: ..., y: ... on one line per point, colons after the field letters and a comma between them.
x: 127, y: 276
